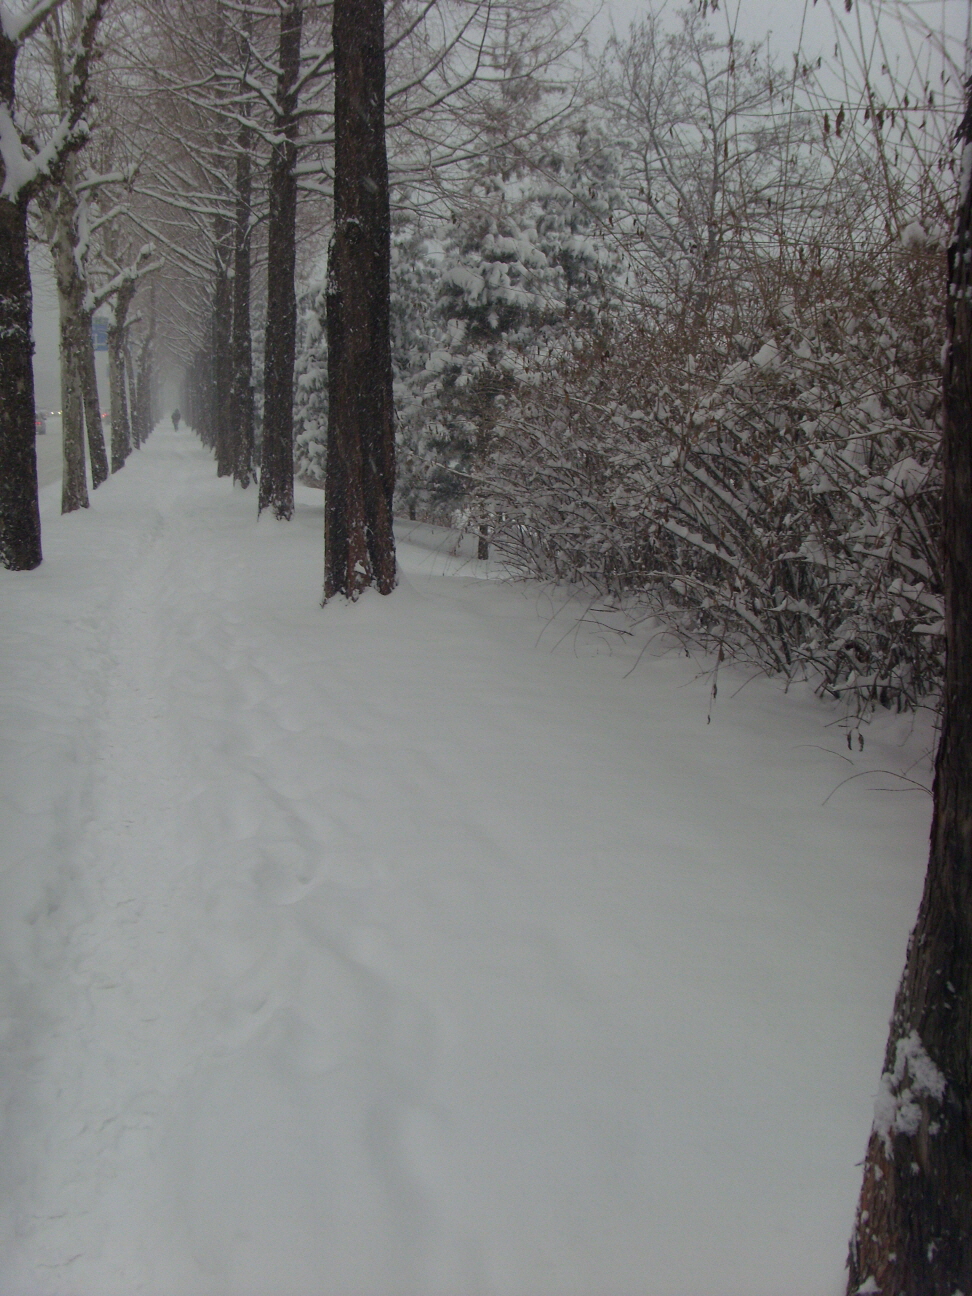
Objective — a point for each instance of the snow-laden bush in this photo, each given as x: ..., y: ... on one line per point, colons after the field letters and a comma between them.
x: 310, y: 385
x: 776, y: 496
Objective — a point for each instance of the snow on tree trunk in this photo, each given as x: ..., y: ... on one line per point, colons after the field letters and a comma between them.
x: 360, y: 475
x: 20, y: 537
x: 913, y: 1231
x: 277, y: 461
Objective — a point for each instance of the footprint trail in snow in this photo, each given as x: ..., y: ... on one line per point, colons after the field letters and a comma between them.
x: 381, y: 949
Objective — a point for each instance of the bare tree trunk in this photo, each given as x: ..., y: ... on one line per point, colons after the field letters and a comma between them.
x: 74, y: 481
x: 222, y: 330
x: 241, y: 390
x: 913, y: 1231
x: 121, y: 436
x: 360, y: 476
x: 132, y: 394
x: 142, y: 421
x: 277, y: 460
x: 91, y: 403
x: 121, y: 433
x: 241, y: 349
x: 201, y: 386
x: 121, y: 428
x: 20, y: 535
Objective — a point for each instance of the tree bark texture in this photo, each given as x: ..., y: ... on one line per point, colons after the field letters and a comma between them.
x: 142, y: 416
x: 91, y: 403
x: 241, y: 389
x: 360, y: 474
x: 277, y: 457
x: 20, y: 534
x: 197, y: 395
x: 913, y: 1231
x: 121, y: 433
x: 74, y: 480
x: 222, y: 330
x: 132, y: 394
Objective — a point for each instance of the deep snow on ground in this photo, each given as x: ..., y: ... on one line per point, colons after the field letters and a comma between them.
x: 433, y: 944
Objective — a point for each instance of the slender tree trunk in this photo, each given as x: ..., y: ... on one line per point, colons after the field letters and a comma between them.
x: 121, y: 436
x: 121, y: 433
x: 241, y: 390
x: 74, y: 480
x: 222, y: 331
x: 202, y: 397
x: 142, y: 422
x: 20, y: 534
x: 360, y: 475
x: 132, y: 395
x: 91, y: 403
x: 277, y: 460
x: 913, y: 1231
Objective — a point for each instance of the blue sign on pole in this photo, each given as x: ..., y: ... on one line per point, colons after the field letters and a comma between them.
x: 99, y: 331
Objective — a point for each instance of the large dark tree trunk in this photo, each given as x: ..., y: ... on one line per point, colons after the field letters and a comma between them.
x: 913, y: 1231
x: 277, y: 458
x: 20, y: 535
x: 241, y: 390
x: 360, y: 474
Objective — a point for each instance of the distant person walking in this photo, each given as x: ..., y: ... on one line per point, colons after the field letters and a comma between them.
x: 176, y: 416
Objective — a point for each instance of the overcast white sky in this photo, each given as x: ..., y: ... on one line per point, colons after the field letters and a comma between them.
x: 783, y: 21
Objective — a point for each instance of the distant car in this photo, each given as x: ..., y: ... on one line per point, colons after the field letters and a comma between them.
x: 40, y: 425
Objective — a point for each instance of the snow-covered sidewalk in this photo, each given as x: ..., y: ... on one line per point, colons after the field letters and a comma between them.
x: 417, y: 946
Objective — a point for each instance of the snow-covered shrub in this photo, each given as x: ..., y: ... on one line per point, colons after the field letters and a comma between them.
x: 484, y: 305
x: 493, y: 303
x: 310, y: 385
x: 776, y: 494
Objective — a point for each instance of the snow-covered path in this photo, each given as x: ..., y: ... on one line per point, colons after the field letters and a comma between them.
x: 411, y: 947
